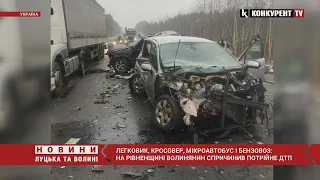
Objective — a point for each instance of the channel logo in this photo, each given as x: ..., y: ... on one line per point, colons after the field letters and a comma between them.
x: 271, y: 13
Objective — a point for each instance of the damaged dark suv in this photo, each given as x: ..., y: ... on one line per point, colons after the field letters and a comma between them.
x: 123, y: 58
x: 188, y: 77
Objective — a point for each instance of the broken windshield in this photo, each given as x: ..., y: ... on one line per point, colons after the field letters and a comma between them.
x: 196, y: 54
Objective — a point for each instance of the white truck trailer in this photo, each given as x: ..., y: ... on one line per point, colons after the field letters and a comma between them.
x: 78, y: 35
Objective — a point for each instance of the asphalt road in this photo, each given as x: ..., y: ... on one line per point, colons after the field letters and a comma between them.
x: 77, y: 118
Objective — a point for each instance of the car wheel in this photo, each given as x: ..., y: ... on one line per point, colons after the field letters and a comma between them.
x: 82, y: 66
x: 136, y: 85
x: 59, y: 77
x: 167, y: 113
x: 120, y: 65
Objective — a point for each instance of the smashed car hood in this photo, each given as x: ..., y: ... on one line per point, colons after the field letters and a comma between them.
x: 119, y: 48
x: 196, y: 89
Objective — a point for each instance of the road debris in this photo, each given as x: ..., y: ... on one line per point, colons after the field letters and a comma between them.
x: 119, y: 126
x: 104, y: 93
x: 97, y: 70
x: 62, y: 167
x: 97, y: 168
x: 262, y: 176
x: 123, y: 77
x: 71, y: 177
x: 101, y: 101
x: 118, y: 106
x: 201, y: 178
x: 115, y: 87
x: 134, y: 175
x: 77, y: 108
x: 193, y: 168
x: 218, y: 169
x: 172, y: 170
x: 151, y: 170
x: 110, y: 74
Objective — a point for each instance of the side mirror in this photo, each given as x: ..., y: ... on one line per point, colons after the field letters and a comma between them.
x: 253, y: 64
x: 52, y: 11
x: 146, y: 66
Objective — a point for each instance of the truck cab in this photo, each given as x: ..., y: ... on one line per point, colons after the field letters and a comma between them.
x: 130, y: 34
x: 76, y: 38
x: 59, y: 48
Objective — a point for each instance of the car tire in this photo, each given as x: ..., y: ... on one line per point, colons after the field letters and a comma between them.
x: 120, y: 65
x: 136, y: 86
x: 166, y: 106
x: 82, y: 65
x: 59, y: 77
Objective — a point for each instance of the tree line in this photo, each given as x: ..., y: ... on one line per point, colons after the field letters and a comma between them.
x: 219, y: 19
x: 113, y: 28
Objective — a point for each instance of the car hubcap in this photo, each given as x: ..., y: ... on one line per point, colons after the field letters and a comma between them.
x: 137, y: 85
x: 120, y: 66
x: 163, y: 112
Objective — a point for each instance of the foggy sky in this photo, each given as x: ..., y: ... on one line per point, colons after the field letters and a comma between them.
x: 129, y: 12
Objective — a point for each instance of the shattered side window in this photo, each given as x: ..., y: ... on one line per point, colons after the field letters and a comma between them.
x: 153, y: 58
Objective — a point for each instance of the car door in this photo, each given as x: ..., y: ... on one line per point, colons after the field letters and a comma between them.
x: 138, y: 47
x: 142, y: 58
x: 255, y: 52
x: 152, y: 74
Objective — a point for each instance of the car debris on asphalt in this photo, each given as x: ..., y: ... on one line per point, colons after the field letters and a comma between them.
x: 262, y: 176
x: 97, y: 168
x: 151, y: 170
x: 77, y: 108
x: 134, y: 175
x: 101, y: 101
x: 119, y: 126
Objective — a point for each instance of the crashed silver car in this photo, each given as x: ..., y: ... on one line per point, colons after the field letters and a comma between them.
x: 189, y: 77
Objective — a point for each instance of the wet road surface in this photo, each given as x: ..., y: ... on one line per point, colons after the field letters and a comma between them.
x: 77, y: 118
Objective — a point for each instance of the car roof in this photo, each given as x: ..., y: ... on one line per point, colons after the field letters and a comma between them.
x: 166, y: 33
x: 175, y: 39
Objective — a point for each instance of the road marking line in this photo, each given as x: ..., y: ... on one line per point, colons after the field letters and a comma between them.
x: 73, y: 141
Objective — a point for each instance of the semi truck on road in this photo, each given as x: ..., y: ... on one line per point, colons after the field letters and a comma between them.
x: 78, y: 35
x: 130, y: 34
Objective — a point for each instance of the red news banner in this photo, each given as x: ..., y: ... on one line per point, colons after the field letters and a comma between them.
x: 160, y: 154
x: 20, y: 14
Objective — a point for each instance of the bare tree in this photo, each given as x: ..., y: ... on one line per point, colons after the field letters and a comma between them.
x: 215, y: 19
